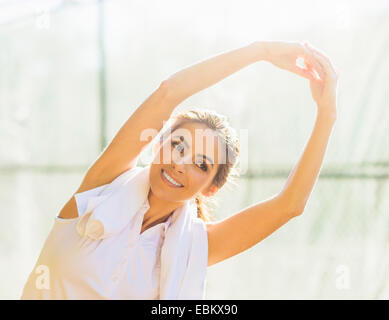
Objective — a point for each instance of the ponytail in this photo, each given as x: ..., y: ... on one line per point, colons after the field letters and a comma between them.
x: 203, y: 211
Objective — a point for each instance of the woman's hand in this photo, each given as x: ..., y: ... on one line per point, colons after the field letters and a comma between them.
x: 324, y: 90
x: 284, y: 55
x: 317, y: 68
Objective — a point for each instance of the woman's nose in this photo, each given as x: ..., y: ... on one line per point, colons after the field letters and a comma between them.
x: 178, y: 167
x: 180, y: 161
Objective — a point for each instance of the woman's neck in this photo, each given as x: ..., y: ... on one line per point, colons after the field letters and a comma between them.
x: 159, y: 210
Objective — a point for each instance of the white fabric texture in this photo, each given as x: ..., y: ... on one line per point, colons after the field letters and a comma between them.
x: 102, y: 255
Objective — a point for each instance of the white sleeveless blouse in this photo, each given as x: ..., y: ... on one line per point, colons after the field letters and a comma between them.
x: 122, y: 264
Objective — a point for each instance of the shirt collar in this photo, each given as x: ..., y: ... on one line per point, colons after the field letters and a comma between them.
x: 119, y: 204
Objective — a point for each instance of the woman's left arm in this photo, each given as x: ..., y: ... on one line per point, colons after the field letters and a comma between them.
x: 243, y: 230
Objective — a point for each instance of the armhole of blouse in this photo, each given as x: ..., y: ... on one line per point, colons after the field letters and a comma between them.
x: 62, y: 220
x: 82, y: 198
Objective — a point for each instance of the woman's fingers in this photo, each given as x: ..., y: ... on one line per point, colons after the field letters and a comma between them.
x: 322, y: 54
x: 306, y: 73
x: 324, y: 64
x: 315, y: 73
x: 328, y: 61
x: 310, y: 59
x: 328, y: 69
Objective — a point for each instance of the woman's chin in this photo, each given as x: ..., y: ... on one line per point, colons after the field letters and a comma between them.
x: 162, y: 192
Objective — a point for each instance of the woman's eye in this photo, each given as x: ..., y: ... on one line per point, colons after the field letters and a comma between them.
x: 178, y: 146
x: 203, y: 166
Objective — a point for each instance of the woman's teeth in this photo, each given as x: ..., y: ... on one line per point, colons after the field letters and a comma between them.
x: 170, y: 179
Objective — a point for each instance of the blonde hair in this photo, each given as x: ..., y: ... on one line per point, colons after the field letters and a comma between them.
x: 226, y: 171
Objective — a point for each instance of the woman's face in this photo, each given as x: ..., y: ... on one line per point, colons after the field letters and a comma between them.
x: 186, y: 163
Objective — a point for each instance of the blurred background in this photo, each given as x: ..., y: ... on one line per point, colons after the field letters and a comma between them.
x: 71, y: 73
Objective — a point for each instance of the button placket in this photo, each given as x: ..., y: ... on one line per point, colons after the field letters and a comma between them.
x: 120, y: 269
x: 134, y: 237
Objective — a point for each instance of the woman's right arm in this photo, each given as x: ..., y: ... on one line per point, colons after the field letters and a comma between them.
x: 122, y: 152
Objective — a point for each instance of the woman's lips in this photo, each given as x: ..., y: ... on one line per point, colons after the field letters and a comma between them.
x: 167, y: 181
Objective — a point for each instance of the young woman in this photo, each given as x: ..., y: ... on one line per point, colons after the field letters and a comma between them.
x: 142, y: 233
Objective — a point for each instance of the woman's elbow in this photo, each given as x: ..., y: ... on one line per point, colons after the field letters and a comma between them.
x: 295, y: 207
x: 298, y: 210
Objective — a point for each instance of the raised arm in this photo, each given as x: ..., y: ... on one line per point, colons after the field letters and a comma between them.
x: 243, y: 230
x: 122, y: 152
x: 126, y: 146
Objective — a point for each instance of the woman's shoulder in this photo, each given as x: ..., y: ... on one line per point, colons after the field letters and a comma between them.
x: 78, y: 203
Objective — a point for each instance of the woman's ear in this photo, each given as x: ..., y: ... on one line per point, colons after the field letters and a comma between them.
x: 211, y: 191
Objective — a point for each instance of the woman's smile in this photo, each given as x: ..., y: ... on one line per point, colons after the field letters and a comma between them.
x: 170, y: 181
